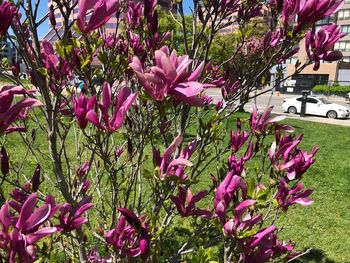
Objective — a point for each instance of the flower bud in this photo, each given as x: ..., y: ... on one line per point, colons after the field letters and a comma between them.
x: 36, y: 178
x: 5, y: 167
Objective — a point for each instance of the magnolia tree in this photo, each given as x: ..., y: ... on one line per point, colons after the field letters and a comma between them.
x: 137, y: 164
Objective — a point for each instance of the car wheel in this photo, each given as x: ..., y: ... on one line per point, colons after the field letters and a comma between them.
x: 292, y: 110
x: 332, y: 114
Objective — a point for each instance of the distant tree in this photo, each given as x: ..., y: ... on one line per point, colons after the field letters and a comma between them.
x: 247, y: 40
x: 171, y: 22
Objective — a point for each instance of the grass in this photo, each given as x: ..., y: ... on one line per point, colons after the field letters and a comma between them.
x: 323, y: 226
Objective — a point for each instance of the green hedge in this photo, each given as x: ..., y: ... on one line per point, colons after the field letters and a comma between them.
x: 331, y: 89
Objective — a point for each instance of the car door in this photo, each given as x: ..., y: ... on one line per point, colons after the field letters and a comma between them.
x: 312, y: 107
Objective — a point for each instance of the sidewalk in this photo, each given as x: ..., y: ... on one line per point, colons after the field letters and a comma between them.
x: 341, y: 122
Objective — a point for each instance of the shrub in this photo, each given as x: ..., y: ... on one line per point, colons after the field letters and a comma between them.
x: 331, y: 89
x: 123, y: 162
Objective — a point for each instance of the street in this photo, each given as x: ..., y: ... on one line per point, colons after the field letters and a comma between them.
x: 273, y: 100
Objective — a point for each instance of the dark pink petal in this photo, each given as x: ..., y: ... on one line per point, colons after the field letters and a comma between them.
x: 197, y: 73
x: 263, y: 233
x: 26, y: 210
x: 38, y: 217
x: 333, y: 56
x: 106, y: 96
x: 36, y: 236
x: 242, y: 207
x: 169, y: 69
x: 131, y: 218
x: 173, y: 146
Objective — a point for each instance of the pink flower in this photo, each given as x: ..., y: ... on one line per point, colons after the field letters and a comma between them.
x: 123, y: 103
x: 319, y: 45
x: 9, y: 112
x: 81, y: 107
x: 189, y: 209
x: 103, y: 10
x: 174, y: 167
x: 170, y: 77
x: 238, y: 138
x: 71, y: 217
x: 260, y: 122
x: 133, y: 16
x: 233, y: 227
x: 130, y: 239
x: 226, y: 192
x: 25, y: 229
x: 7, y: 13
x: 287, y: 197
x: 311, y: 11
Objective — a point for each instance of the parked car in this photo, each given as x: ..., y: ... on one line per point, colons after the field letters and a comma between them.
x: 316, y: 106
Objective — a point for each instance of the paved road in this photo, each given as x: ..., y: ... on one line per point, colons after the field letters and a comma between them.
x: 273, y: 100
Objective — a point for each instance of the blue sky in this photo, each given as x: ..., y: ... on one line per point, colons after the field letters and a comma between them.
x: 44, y: 28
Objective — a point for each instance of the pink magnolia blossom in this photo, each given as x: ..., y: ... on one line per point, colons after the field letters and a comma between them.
x: 285, y: 155
x: 132, y: 239
x: 57, y: 68
x: 301, y: 163
x: 82, y: 106
x: 123, y: 103
x: 312, y: 11
x: 170, y: 77
x: 287, y: 197
x: 174, y: 167
x: 7, y: 13
x: 234, y: 227
x: 19, y: 234
x: 238, y: 138
x: 103, y: 10
x: 260, y: 122
x: 133, y: 16
x: 230, y: 89
x: 10, y: 112
x: 264, y: 247
x: 189, y: 209
x: 226, y: 192
x: 71, y: 217
x: 319, y: 45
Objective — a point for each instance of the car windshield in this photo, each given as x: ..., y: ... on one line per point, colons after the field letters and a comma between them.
x: 325, y: 101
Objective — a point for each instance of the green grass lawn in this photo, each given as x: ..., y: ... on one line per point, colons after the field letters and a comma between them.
x: 325, y: 225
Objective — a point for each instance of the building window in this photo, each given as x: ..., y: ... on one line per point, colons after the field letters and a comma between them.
x: 347, y: 2
x: 111, y: 25
x: 345, y: 29
x: 326, y: 21
x: 342, y: 46
x: 292, y: 60
x: 344, y: 14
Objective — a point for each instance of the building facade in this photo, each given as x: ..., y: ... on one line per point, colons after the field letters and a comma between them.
x: 329, y: 73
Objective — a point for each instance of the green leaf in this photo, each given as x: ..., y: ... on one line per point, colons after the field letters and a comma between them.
x: 251, y: 186
x: 43, y: 71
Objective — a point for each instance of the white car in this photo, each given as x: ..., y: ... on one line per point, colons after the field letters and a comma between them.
x: 316, y: 106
